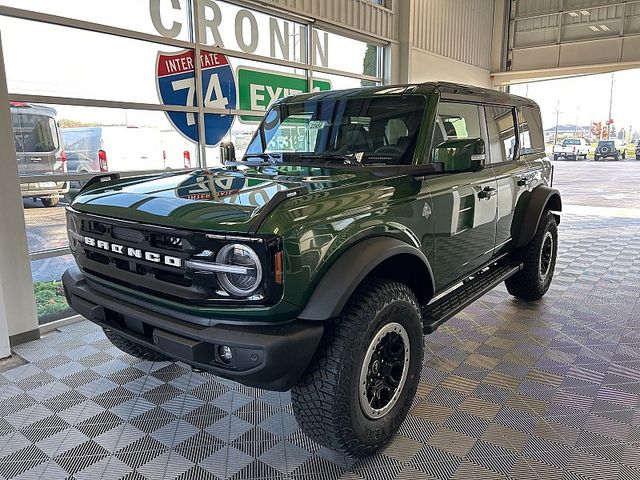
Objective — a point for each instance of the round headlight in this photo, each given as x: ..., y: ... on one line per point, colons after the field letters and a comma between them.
x: 248, y: 276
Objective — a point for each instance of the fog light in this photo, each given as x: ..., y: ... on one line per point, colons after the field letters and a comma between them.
x: 226, y: 355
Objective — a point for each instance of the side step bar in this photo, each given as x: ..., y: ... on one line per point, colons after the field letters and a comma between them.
x: 438, y: 312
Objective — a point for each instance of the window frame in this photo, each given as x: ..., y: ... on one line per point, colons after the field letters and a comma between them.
x: 516, y: 148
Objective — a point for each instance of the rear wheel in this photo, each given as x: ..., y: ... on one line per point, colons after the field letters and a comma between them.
x: 539, y: 260
x: 362, y: 381
x: 596, y: 157
x: 49, y: 201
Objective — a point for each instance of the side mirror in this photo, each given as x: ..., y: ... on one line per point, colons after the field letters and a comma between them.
x: 227, y: 152
x: 461, y: 155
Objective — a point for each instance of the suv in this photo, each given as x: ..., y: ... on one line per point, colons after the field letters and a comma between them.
x: 356, y: 222
x: 39, y: 150
x: 614, y: 148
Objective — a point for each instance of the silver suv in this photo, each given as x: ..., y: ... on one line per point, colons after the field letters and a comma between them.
x: 39, y: 150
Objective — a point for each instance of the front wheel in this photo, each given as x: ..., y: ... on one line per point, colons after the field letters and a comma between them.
x: 539, y: 260
x: 362, y: 381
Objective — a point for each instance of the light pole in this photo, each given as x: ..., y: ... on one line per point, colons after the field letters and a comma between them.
x: 610, y: 108
x: 555, y: 139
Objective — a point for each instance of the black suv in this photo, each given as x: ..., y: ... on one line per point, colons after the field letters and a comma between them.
x: 614, y: 148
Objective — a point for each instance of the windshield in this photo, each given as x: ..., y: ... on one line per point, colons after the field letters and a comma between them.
x: 570, y: 141
x: 372, y: 130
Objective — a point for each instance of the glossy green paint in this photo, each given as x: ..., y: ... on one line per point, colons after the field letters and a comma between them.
x: 344, y: 205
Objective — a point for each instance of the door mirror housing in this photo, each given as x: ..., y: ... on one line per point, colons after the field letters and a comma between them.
x: 227, y: 152
x: 461, y: 155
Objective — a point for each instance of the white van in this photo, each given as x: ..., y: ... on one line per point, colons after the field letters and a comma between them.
x: 115, y: 149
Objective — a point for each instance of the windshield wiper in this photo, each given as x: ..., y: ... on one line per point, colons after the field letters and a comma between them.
x: 346, y: 159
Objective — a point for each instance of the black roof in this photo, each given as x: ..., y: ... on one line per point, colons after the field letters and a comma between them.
x: 447, y: 90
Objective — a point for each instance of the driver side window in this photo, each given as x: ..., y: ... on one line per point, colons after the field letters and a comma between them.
x: 454, y: 121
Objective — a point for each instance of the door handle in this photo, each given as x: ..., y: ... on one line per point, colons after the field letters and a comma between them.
x: 487, y: 192
x: 36, y: 159
x: 523, y: 181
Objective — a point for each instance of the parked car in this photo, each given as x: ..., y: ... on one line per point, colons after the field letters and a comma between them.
x: 116, y: 149
x: 614, y: 148
x: 39, y: 151
x: 317, y: 264
x: 638, y: 151
x: 571, y: 148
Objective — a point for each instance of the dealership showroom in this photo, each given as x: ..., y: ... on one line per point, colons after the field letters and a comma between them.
x: 355, y: 239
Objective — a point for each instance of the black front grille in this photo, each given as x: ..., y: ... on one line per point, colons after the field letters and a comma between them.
x: 117, y: 252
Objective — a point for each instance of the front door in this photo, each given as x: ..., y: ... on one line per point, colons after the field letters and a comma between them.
x: 464, y: 204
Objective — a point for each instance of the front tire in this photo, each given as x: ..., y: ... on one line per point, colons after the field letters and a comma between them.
x: 539, y: 261
x: 362, y: 381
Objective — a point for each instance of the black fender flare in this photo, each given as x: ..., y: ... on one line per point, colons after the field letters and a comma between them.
x: 529, y: 210
x: 347, y: 272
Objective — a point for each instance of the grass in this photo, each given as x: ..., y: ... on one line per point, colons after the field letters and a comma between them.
x: 50, y: 301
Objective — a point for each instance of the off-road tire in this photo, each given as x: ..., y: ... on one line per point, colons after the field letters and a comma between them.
x: 529, y: 283
x: 596, y: 158
x: 326, y: 400
x: 133, y: 349
x: 50, y: 201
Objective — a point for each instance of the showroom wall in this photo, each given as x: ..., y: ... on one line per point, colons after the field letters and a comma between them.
x: 446, y: 40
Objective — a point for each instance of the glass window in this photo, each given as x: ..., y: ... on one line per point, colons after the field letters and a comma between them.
x: 531, y: 136
x: 502, y: 137
x: 371, y: 130
x: 169, y: 18
x: 455, y: 121
x: 34, y: 132
x: 326, y: 48
x: 47, y: 273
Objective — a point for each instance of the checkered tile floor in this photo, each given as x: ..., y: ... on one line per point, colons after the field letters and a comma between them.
x: 508, y: 390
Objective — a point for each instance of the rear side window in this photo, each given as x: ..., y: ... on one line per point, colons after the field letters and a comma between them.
x: 531, y: 136
x: 502, y: 133
x: 455, y: 121
x: 35, y: 133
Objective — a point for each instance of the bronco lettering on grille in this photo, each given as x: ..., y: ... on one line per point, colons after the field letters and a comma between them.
x: 134, y: 252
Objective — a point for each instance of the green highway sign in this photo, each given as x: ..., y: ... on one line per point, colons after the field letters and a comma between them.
x: 257, y: 89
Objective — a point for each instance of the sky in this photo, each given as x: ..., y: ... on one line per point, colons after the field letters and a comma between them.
x: 583, y: 100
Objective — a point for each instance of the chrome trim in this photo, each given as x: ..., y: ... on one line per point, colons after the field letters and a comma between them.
x: 217, y: 267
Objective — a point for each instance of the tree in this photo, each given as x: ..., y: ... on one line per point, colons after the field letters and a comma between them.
x: 370, y: 64
x: 622, y: 134
x: 613, y: 133
x: 596, y: 129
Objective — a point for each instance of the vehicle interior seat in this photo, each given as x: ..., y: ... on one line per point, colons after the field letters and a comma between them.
x: 353, y: 138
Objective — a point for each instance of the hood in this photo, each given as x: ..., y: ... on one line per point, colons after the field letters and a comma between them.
x: 216, y: 200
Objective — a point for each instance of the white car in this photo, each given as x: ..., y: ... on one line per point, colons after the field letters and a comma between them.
x: 571, y: 148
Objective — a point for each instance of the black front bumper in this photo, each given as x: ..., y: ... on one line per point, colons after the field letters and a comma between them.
x: 269, y: 357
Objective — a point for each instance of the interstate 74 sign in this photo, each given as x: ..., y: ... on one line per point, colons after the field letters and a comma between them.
x: 175, y: 78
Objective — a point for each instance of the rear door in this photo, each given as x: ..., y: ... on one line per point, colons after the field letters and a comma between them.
x: 41, y: 143
x: 464, y: 203
x: 510, y: 168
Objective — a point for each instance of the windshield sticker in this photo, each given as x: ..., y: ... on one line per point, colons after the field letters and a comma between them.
x: 316, y: 124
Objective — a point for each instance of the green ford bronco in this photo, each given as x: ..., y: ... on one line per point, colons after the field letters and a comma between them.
x: 356, y: 222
